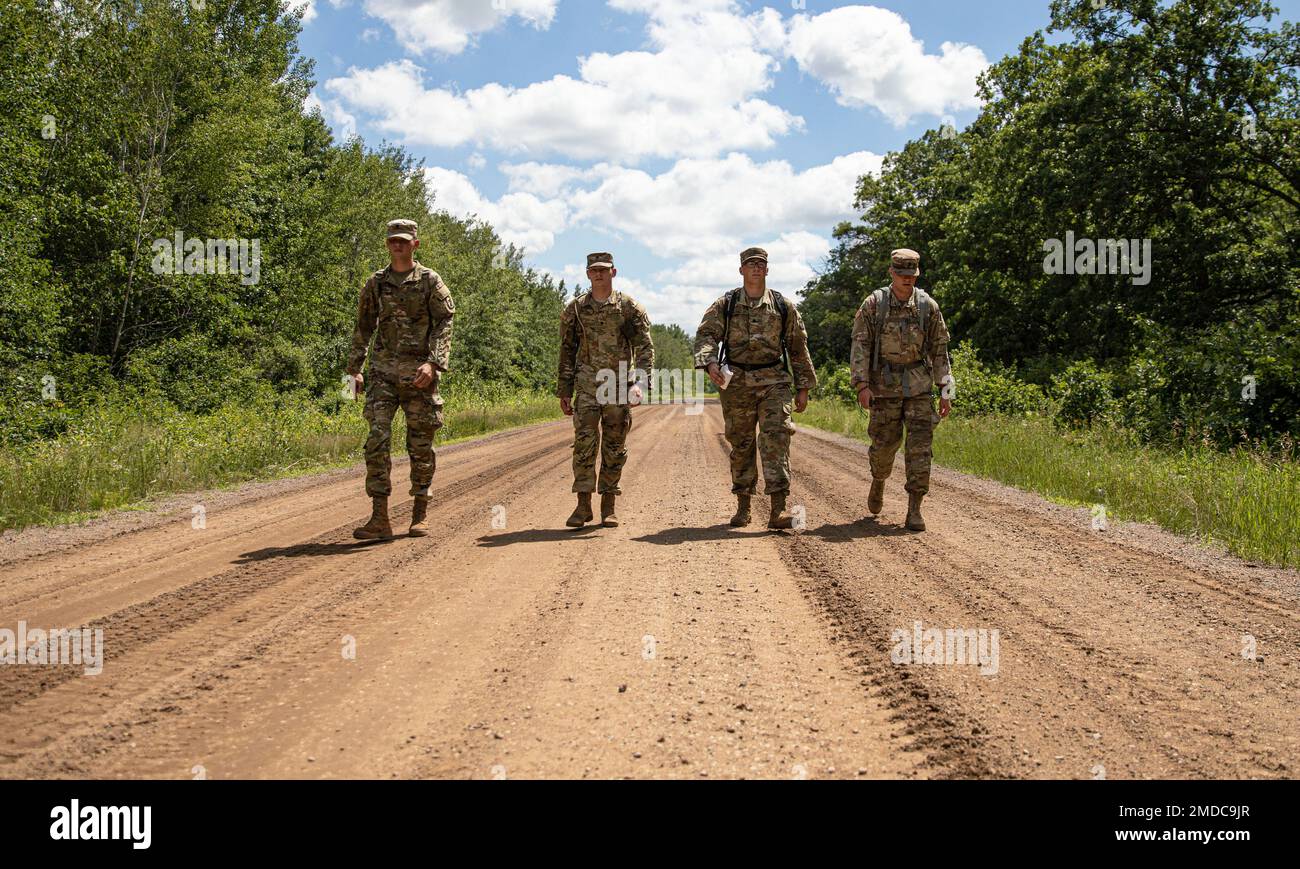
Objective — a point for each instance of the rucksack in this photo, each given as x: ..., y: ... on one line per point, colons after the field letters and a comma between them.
x: 733, y: 299
x: 923, y: 303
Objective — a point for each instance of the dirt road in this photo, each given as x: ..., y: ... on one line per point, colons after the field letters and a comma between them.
x: 269, y: 644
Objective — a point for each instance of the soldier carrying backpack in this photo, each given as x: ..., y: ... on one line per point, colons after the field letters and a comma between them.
x: 900, y: 354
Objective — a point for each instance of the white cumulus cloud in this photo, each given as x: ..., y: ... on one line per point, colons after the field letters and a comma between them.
x: 722, y: 203
x: 449, y: 26
x: 868, y: 56
x: 695, y: 93
x: 521, y: 219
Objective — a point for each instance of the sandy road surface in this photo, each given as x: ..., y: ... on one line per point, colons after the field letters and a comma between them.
x: 673, y: 646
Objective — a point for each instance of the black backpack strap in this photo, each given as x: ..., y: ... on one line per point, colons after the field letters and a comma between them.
x: 727, y: 310
x: 783, y: 308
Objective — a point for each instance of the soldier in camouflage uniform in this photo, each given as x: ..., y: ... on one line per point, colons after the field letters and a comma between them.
x: 900, y: 353
x: 600, y: 333
x: 756, y: 333
x: 409, y: 309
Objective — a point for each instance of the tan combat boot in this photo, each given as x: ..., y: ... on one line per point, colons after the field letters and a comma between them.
x: 742, y: 517
x: 377, y: 528
x: 876, y: 500
x: 582, y: 513
x: 607, y: 517
x: 914, y: 520
x: 779, y: 519
x: 419, y: 517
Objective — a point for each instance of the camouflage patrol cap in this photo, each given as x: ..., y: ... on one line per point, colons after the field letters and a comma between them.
x: 753, y: 253
x: 905, y: 261
x: 600, y: 260
x: 406, y: 229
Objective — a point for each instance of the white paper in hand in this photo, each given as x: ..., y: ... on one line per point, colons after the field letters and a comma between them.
x: 726, y: 373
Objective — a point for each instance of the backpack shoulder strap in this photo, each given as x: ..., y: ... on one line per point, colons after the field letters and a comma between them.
x: 782, y: 308
x: 733, y: 297
x: 882, y: 313
x: 923, y: 305
x: 729, y: 308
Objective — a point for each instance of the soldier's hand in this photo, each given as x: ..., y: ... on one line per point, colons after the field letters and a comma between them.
x: 715, y: 374
x: 865, y: 397
x: 635, y: 395
x: 945, y: 407
x: 358, y: 386
x: 801, y: 401
x: 424, y: 375
x: 566, y: 405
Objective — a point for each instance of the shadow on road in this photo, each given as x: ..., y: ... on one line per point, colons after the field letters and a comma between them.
x: 832, y: 533
x: 309, y: 549
x: 675, y: 536
x: 537, y: 535
x: 858, y: 530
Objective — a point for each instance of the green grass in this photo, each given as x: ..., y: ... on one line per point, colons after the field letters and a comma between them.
x: 124, y: 453
x: 1246, y: 501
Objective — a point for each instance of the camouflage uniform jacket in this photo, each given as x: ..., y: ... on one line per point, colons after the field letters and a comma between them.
x: 596, y: 337
x: 755, y: 339
x: 903, y: 371
x: 411, y: 321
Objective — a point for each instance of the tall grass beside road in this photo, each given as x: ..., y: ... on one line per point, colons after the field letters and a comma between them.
x: 126, y: 451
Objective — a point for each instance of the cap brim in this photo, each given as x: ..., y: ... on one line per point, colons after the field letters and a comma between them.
x: 404, y: 236
x: 600, y: 265
x: 907, y: 273
x: 755, y: 259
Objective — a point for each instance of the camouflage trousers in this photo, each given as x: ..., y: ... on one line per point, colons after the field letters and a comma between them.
x: 765, y: 408
x: 889, y: 417
x: 423, y: 409
x: 602, y: 427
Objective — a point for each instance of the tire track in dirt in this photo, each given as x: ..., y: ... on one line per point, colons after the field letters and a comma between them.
x: 1103, y: 675
x: 518, y: 651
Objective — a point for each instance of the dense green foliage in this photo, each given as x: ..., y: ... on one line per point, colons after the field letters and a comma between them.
x: 127, y: 121
x: 1169, y: 121
x: 672, y: 347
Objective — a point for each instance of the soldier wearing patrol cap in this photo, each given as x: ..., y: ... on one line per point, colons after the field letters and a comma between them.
x: 759, y: 337
x: 601, y: 332
x: 899, y: 356
x: 408, y: 309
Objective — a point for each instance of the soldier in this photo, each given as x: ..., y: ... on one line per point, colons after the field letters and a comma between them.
x: 758, y: 334
x: 410, y: 308
x: 900, y: 352
x: 599, y: 333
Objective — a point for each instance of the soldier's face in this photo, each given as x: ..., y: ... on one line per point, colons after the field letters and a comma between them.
x: 601, y: 277
x: 755, y: 268
x: 401, y: 249
x: 904, y: 281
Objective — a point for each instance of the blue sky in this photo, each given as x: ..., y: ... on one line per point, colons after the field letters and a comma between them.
x: 673, y: 133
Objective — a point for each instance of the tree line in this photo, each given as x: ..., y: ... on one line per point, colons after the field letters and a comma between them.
x: 1170, y: 123
x: 124, y: 123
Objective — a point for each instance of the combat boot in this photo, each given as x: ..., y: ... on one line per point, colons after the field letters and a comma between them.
x: 377, y: 528
x: 742, y: 517
x: 914, y: 520
x: 607, y: 517
x: 779, y: 519
x: 419, y: 517
x: 876, y: 500
x: 582, y: 513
